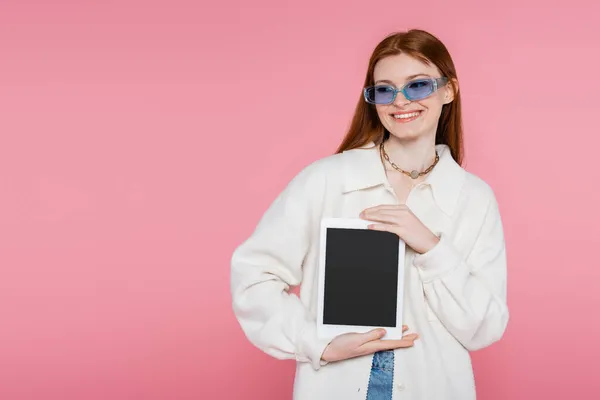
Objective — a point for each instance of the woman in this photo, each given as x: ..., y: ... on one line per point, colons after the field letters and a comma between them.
x: 399, y: 167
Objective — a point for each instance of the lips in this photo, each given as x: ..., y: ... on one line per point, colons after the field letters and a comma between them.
x: 406, y: 116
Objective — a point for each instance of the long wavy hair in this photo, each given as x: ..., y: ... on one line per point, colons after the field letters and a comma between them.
x: 366, y: 126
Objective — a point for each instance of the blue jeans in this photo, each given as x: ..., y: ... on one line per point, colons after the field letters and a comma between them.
x: 382, y: 376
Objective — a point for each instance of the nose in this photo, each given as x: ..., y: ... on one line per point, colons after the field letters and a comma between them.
x: 401, y: 100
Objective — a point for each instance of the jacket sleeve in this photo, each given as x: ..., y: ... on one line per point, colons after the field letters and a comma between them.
x: 270, y: 261
x: 468, y: 294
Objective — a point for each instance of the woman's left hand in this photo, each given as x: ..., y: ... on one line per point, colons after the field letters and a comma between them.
x: 399, y: 219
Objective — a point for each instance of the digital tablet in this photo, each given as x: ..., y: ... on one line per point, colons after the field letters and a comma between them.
x: 361, y: 279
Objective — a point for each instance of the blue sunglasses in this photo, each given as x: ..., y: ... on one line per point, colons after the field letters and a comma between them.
x: 413, y: 90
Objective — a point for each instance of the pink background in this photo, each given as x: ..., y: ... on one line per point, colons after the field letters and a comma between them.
x: 141, y: 141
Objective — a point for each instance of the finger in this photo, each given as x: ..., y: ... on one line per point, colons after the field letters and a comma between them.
x: 396, y: 344
x: 378, y: 207
x: 406, y: 340
x: 380, y: 345
x: 378, y: 333
x: 382, y: 207
x: 385, y: 228
x: 374, y: 334
x: 386, y: 218
x: 394, y: 207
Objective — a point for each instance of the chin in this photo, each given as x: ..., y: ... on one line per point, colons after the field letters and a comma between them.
x: 405, y: 135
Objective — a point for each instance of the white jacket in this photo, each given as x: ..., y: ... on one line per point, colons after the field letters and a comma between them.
x: 455, y: 295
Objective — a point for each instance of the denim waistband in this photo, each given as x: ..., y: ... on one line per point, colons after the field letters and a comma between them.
x: 384, y: 360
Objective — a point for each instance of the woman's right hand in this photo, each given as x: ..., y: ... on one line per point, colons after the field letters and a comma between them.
x: 349, y: 345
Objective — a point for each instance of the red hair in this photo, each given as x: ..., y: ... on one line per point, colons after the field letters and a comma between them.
x: 367, y: 127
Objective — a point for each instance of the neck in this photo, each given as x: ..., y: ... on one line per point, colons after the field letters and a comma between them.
x: 416, y: 154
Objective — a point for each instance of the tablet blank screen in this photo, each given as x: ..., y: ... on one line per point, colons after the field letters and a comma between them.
x: 361, y: 277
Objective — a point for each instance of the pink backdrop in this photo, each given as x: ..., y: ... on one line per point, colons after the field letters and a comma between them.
x: 142, y: 140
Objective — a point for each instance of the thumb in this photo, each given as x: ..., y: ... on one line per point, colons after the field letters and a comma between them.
x: 374, y: 334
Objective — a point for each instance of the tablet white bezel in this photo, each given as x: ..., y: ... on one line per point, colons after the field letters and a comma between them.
x: 326, y: 331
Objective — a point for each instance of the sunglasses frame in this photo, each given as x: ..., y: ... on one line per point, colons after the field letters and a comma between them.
x: 437, y: 84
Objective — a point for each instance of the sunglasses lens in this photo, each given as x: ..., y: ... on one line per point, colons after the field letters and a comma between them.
x: 419, y: 89
x: 380, y: 94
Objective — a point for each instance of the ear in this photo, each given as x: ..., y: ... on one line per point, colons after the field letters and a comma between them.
x: 451, y: 89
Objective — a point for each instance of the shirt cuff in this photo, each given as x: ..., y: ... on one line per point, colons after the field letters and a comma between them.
x: 438, y: 261
x: 312, y: 347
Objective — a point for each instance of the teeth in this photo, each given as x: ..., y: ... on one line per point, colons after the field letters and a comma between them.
x: 404, y: 116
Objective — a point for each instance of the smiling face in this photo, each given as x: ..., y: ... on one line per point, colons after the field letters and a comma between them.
x: 404, y: 119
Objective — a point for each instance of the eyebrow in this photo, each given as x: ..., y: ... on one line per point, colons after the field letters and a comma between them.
x: 408, y: 78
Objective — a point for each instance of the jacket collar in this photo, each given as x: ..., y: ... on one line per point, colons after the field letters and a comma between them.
x: 363, y: 169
